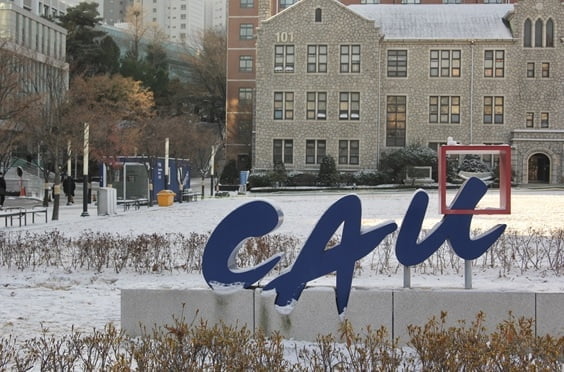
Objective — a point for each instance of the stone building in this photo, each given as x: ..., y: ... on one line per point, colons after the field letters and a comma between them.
x: 355, y: 81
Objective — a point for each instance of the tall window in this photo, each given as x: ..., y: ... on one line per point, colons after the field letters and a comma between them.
x: 283, y: 105
x: 538, y: 33
x: 396, y: 112
x: 397, y: 63
x: 494, y: 63
x: 530, y: 69
x: 493, y: 110
x: 317, y: 58
x: 283, y: 151
x: 349, y: 152
x: 530, y: 120
x: 444, y: 109
x: 245, y: 63
x: 445, y: 63
x: 247, y: 3
x: 316, y: 105
x: 350, y: 58
x: 349, y: 106
x: 544, y: 120
x: 528, y: 34
x: 246, y: 31
x: 284, y: 58
x: 315, y: 151
x: 545, y: 69
x: 318, y: 15
x: 549, y: 34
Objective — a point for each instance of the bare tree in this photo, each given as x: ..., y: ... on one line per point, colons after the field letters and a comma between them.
x: 46, y: 128
x: 16, y: 97
x: 208, y: 86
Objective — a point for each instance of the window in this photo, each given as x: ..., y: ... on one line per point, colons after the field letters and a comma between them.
x: 246, y: 31
x: 316, y: 105
x: 411, y: 1
x: 549, y: 34
x: 530, y: 69
x: 397, y: 63
x: 283, y: 105
x: 528, y: 33
x: 538, y: 33
x: 247, y: 3
x: 530, y: 120
x: 445, y: 63
x: 318, y: 15
x: 183, y: 7
x: 396, y: 111
x: 284, y: 58
x: 545, y: 69
x: 317, y: 58
x: 370, y: 1
x: 245, y: 63
x: 283, y: 151
x: 315, y: 151
x: 493, y: 110
x: 452, y: 1
x: 494, y: 61
x: 349, y: 106
x: 544, y: 120
x: 349, y: 152
x: 350, y: 58
x: 286, y: 3
x: 245, y: 96
x: 444, y: 109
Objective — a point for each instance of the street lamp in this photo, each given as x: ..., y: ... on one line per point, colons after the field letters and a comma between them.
x: 85, y: 171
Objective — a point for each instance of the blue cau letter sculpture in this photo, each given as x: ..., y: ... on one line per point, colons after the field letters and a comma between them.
x: 258, y: 218
x: 453, y: 228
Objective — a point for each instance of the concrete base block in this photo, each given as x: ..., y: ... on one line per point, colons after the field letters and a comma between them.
x: 315, y: 313
x: 550, y: 314
x: 418, y: 306
x: 144, y: 308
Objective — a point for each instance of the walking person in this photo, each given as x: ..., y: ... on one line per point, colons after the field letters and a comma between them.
x: 68, y: 188
x: 2, y: 190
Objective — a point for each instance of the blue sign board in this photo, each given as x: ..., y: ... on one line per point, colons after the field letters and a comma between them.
x: 258, y: 218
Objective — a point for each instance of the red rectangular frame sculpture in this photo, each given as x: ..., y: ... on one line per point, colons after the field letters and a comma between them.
x: 504, y: 152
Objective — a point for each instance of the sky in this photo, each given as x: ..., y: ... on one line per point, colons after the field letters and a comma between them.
x: 55, y: 299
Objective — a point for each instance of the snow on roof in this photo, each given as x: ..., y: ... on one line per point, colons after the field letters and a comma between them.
x: 439, y: 21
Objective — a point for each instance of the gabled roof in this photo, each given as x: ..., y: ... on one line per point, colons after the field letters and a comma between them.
x: 439, y: 21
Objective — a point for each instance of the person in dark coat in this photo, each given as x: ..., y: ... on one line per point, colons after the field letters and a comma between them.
x: 2, y: 190
x: 68, y: 188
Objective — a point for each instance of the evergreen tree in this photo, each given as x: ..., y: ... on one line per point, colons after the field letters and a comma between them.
x: 328, y: 175
x: 89, y: 51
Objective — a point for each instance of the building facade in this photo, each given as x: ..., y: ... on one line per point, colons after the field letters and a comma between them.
x: 40, y: 44
x: 359, y: 80
x: 242, y: 18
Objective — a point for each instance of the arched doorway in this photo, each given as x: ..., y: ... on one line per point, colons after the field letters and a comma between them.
x: 539, y: 169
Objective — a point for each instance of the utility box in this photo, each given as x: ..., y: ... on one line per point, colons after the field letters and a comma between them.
x: 165, y: 198
x: 107, y: 201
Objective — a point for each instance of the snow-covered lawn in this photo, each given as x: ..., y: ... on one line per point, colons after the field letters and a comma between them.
x: 54, y: 299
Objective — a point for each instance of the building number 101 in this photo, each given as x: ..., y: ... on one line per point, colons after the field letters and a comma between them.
x: 284, y: 37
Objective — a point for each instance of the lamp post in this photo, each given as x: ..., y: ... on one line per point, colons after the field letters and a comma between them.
x: 85, y: 171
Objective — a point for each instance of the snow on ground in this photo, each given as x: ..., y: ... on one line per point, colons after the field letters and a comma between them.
x: 52, y: 299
